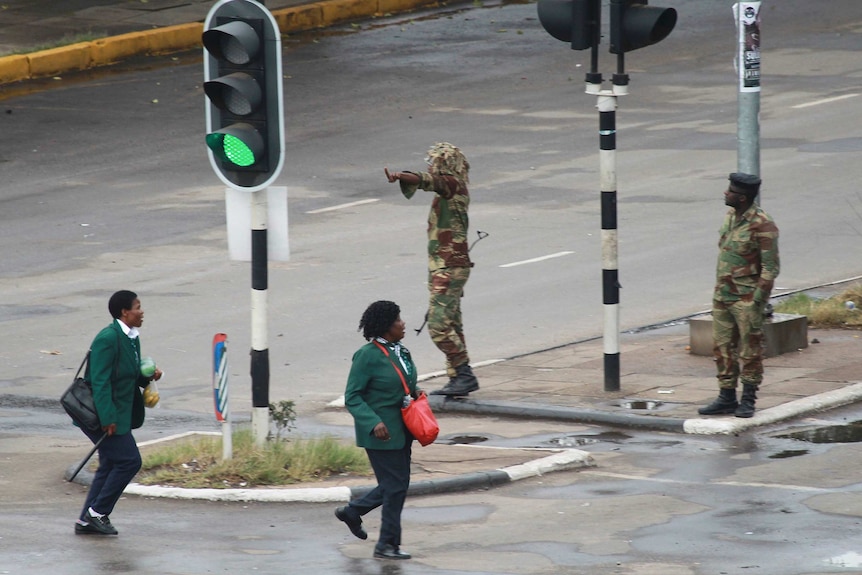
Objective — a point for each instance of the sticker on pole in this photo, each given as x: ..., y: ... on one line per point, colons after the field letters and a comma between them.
x: 220, y: 376
x: 747, y: 15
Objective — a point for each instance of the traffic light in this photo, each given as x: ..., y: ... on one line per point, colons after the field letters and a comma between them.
x: 575, y: 21
x: 243, y: 85
x: 635, y: 25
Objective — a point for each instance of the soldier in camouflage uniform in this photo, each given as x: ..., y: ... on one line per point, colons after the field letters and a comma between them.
x: 747, y: 267
x: 448, y: 258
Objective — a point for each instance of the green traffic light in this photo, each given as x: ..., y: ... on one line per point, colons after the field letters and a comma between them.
x: 237, y: 151
x: 232, y: 149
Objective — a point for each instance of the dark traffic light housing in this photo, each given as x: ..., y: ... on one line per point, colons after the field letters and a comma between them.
x: 574, y: 21
x: 636, y: 25
x: 243, y: 85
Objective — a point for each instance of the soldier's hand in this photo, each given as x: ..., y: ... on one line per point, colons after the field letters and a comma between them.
x: 391, y: 176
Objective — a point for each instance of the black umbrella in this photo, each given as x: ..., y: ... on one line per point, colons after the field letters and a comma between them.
x: 89, y: 455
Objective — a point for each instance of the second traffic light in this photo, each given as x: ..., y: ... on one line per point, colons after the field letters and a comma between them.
x: 636, y: 25
x: 574, y: 21
x: 243, y: 85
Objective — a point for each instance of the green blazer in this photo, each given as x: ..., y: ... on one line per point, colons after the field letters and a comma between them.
x: 114, y: 372
x: 374, y: 393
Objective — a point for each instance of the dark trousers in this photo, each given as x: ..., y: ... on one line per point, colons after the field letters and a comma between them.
x: 392, y: 470
x: 119, y: 461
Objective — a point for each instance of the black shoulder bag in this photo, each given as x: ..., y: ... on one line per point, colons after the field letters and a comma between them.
x: 78, y: 402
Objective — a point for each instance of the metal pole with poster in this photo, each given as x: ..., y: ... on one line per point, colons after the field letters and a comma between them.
x: 747, y: 15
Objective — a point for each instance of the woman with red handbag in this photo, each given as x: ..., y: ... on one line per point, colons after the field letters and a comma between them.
x: 374, y: 396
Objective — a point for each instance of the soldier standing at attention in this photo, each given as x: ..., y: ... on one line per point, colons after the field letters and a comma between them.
x: 747, y: 267
x: 448, y: 258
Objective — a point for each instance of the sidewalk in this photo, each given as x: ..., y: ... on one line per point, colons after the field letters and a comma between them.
x: 101, y: 32
x: 661, y: 387
x: 662, y: 384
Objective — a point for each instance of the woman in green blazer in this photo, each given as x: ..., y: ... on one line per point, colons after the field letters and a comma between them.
x: 374, y: 396
x: 114, y: 372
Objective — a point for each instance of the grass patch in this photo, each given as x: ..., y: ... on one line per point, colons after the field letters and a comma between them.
x: 832, y: 312
x: 197, y: 463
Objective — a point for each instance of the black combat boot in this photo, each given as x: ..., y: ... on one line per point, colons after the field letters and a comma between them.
x: 746, y: 402
x: 461, y: 385
x: 723, y: 404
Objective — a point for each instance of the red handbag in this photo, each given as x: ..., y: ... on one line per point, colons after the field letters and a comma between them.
x: 417, y: 415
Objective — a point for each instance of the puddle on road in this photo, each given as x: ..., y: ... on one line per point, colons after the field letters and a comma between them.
x: 640, y: 404
x: 586, y: 439
x: 847, y: 433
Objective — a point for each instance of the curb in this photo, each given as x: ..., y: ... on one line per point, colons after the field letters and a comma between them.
x: 559, y: 461
x: 104, y: 51
x: 726, y: 425
x: 819, y: 402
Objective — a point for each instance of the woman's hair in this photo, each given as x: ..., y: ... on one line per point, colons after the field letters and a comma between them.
x: 378, y: 318
x: 121, y: 300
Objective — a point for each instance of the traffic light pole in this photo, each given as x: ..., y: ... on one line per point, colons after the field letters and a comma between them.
x: 607, y: 105
x: 259, y: 328
x: 245, y: 120
x: 633, y: 25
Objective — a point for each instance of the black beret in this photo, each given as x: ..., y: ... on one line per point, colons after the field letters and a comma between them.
x: 746, y: 184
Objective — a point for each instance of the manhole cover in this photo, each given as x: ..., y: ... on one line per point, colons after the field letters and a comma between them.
x: 466, y: 439
x: 788, y: 453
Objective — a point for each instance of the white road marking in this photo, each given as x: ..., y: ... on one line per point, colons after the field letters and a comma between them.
x: 534, y: 260
x: 806, y: 488
x: 824, y: 101
x: 342, y: 206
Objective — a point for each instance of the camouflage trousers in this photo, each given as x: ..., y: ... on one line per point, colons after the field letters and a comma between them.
x: 446, y: 287
x: 737, y: 333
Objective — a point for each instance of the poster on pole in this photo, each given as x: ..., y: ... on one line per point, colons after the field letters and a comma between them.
x: 220, y: 377
x: 747, y: 15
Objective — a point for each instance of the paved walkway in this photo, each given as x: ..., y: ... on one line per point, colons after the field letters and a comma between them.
x: 661, y: 387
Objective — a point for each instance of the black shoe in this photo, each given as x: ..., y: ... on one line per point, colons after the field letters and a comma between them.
x: 445, y: 389
x: 725, y: 403
x: 85, y: 529
x: 102, y: 524
x: 355, y: 525
x: 390, y: 552
x: 746, y: 402
x: 461, y: 385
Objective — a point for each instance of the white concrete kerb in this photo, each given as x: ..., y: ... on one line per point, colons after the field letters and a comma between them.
x: 557, y: 461
x: 819, y: 402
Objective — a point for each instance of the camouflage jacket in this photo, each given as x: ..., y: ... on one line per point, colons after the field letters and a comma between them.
x: 447, y: 220
x: 748, y: 257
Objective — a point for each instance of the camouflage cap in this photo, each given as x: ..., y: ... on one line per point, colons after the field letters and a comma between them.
x: 746, y: 184
x: 447, y: 159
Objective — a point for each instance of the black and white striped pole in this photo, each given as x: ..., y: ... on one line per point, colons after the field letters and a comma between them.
x: 259, y: 326
x: 607, y: 104
x: 633, y: 25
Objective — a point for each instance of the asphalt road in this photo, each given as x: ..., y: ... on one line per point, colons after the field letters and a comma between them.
x: 107, y: 186
x: 655, y: 503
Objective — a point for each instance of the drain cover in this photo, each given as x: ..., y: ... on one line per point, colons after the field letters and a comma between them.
x: 466, y: 439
